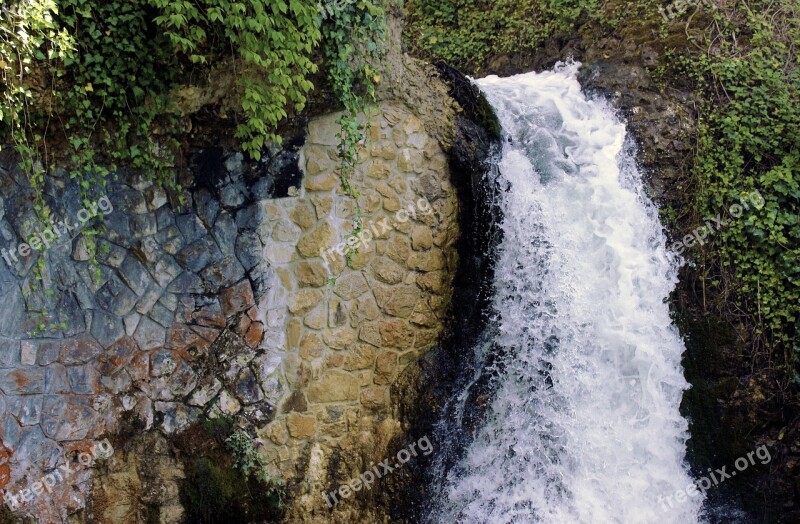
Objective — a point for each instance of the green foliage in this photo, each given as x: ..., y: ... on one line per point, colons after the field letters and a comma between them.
x: 274, y: 39
x: 249, y: 460
x: 748, y: 141
x: 109, y: 66
x: 353, y: 42
x: 465, y: 32
x: 28, y: 34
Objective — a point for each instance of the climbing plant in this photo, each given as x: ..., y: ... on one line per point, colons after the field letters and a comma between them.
x: 353, y: 42
x: 274, y: 40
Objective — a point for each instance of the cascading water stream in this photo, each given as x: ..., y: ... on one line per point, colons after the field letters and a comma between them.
x: 583, y: 425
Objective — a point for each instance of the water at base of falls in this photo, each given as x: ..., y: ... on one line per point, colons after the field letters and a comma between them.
x: 583, y: 425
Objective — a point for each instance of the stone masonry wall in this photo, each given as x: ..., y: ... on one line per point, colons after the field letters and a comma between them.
x: 225, y: 307
x: 351, y: 331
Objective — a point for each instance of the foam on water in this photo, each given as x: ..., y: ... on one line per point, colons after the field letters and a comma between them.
x: 585, y: 424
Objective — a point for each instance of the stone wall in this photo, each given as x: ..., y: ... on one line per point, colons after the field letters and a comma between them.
x: 351, y: 331
x: 225, y: 307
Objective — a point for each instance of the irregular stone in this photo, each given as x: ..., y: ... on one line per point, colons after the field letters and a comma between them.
x: 10, y: 353
x: 162, y: 315
x: 303, y: 301
x: 423, y: 315
x: 254, y: 334
x: 322, y: 206
x: 361, y: 356
x: 370, y: 333
x: 294, y: 331
x: 339, y: 338
x: 84, y: 380
x: 237, y: 298
x: 248, y: 249
x: 162, y: 363
x: 311, y: 346
x: 285, y: 232
x: 150, y: 335
x: 323, y: 130
x: 228, y: 403
x: 364, y: 309
x: 351, y: 285
x: 55, y: 379
x: 301, y: 426
x: 166, y: 270
x: 311, y: 274
x: 30, y: 412
x: 398, y: 301
x: 396, y: 333
x: 278, y: 252
x: 317, y: 240
x: 334, y: 386
x: 379, y: 171
x: 247, y: 389
x: 205, y: 392
x: 143, y: 225
x: 149, y: 299
x: 375, y: 397
x: 191, y: 227
x: 176, y: 417
x: 28, y: 353
x: 186, y: 283
x: 79, y: 350
x: 115, y: 297
x: 323, y: 182
x: 421, y: 238
x: 337, y: 314
x: 196, y: 256
x: 303, y: 216
x: 316, y: 319
x: 106, y: 328
x: 432, y: 260
x: 387, y: 270
x: 22, y: 381
x: 398, y: 249
x: 277, y: 433
x: 67, y: 417
x: 385, y: 367
x: 117, y: 356
x: 433, y: 282
x: 222, y: 273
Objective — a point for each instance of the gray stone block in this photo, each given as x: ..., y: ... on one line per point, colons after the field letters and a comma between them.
x: 22, y: 381
x: 106, y: 328
x: 143, y: 225
x: 134, y: 273
x: 191, y: 227
x: 150, y: 335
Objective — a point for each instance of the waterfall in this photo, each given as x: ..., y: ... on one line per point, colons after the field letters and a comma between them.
x: 583, y: 422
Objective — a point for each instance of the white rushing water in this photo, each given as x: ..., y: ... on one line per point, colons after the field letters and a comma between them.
x: 585, y: 424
